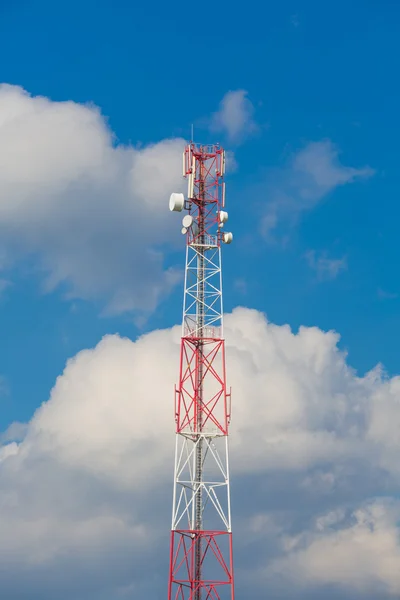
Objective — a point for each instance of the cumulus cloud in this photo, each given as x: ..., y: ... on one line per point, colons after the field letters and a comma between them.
x: 92, y: 212
x: 360, y: 551
x: 14, y: 432
x: 312, y: 173
x: 326, y: 268
x: 85, y: 496
x: 319, y: 170
x: 235, y: 117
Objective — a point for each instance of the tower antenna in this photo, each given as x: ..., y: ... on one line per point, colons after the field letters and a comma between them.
x: 201, y: 562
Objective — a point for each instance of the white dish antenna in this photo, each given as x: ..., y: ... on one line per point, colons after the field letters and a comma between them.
x: 222, y: 216
x: 227, y: 237
x: 187, y: 221
x: 176, y: 202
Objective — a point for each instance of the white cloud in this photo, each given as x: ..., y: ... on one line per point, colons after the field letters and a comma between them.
x: 92, y: 212
x: 319, y: 170
x: 112, y: 390
x: 235, y: 116
x: 88, y: 489
x: 14, y: 433
x: 361, y: 552
x: 311, y: 174
x: 326, y: 268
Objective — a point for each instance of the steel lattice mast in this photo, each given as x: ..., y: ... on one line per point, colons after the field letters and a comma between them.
x: 201, y: 566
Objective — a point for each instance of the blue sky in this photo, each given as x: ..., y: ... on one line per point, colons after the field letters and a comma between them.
x: 317, y: 96
x: 312, y: 72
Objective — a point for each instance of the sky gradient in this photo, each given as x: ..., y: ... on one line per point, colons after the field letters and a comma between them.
x: 96, y: 102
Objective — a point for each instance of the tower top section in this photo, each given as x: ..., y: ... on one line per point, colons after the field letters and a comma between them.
x: 203, y: 165
x: 204, y: 152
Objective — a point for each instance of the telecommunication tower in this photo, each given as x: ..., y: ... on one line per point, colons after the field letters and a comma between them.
x: 201, y: 564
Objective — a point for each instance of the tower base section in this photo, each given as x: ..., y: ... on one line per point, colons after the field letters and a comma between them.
x: 197, y: 552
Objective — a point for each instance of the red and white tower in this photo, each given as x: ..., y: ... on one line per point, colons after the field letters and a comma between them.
x: 201, y: 566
